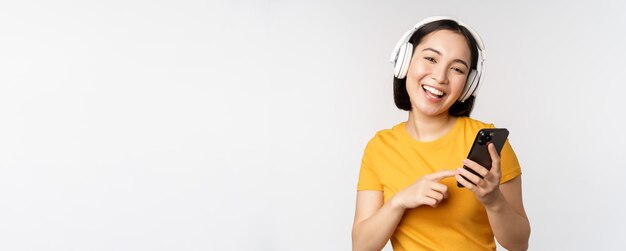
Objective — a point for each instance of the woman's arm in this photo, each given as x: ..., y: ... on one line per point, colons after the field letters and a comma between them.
x: 375, y: 221
x: 507, y: 217
x: 503, y: 203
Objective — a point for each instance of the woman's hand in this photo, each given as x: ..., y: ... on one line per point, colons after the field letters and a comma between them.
x: 426, y: 191
x: 487, y: 189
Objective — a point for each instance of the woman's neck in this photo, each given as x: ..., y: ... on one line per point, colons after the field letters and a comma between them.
x: 429, y: 128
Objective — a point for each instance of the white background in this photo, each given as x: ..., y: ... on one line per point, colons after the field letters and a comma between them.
x: 240, y: 125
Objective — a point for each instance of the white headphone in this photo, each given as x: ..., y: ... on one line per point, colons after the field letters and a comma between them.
x: 402, y: 52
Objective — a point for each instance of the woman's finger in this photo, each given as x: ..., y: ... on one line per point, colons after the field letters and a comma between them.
x: 440, y: 175
x: 476, y: 167
x: 429, y: 201
x: 495, y: 158
x: 439, y: 187
x: 435, y: 195
x: 465, y: 183
x: 469, y: 175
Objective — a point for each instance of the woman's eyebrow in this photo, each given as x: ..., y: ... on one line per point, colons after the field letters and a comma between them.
x: 439, y: 53
x: 433, y: 50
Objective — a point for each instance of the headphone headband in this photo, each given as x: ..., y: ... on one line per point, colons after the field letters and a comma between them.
x: 401, y: 67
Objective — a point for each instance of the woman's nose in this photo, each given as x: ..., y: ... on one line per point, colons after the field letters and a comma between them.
x: 439, y: 74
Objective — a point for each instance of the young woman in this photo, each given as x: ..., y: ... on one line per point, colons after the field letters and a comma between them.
x: 407, y: 189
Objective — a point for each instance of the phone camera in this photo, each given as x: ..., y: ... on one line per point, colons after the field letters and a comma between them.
x: 484, y: 138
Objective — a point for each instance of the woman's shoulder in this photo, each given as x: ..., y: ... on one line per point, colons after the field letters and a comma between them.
x: 471, y: 123
x: 388, y: 135
x: 394, y: 131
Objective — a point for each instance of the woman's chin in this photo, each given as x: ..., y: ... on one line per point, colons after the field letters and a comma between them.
x: 432, y: 109
x: 429, y: 111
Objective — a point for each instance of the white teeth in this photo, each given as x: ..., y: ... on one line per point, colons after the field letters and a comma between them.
x: 433, y: 90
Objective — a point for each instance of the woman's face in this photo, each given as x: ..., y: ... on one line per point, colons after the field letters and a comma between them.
x: 437, y: 73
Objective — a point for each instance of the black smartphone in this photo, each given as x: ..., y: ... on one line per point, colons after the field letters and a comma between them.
x: 480, y: 153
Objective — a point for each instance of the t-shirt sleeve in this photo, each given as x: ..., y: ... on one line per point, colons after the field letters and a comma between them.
x: 508, y: 162
x: 368, y: 179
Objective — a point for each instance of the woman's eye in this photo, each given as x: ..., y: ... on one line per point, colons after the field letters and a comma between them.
x: 458, y: 70
x: 432, y: 60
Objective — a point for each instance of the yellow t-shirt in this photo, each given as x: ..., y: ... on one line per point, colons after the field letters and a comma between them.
x: 394, y: 160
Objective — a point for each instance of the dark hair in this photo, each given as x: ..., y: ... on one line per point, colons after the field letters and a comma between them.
x: 401, y: 97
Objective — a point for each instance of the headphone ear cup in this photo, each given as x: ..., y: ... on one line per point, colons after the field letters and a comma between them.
x: 404, y: 59
x: 470, y: 86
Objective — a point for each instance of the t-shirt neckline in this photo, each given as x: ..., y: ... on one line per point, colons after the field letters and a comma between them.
x: 440, y: 142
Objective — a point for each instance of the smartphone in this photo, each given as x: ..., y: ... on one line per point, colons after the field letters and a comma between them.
x: 480, y: 153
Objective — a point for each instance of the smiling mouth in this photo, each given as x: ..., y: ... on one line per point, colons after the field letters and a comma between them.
x: 433, y: 91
